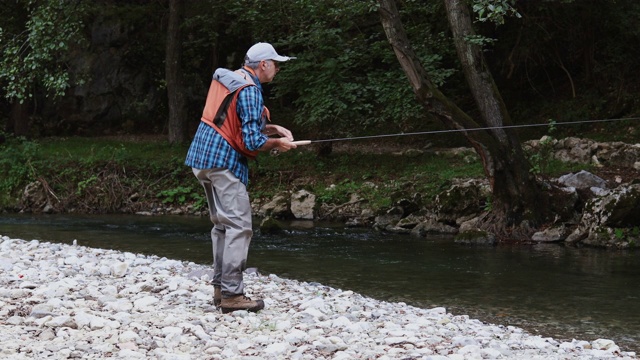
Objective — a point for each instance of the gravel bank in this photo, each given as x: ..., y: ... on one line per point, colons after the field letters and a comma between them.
x: 65, y: 301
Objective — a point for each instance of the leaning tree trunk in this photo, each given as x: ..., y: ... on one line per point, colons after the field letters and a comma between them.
x: 173, y: 73
x: 516, y: 194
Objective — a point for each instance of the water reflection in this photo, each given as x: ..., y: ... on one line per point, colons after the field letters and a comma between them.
x: 547, y: 289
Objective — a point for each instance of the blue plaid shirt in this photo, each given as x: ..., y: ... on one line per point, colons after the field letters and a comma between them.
x: 210, y: 150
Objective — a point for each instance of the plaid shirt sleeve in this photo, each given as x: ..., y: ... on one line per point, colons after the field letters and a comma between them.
x: 250, y: 110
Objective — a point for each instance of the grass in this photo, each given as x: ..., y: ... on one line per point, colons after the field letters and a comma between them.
x: 105, y: 174
x: 106, y: 149
x: 98, y: 175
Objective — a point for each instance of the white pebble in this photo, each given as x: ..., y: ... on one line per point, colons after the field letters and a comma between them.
x: 119, y: 269
x: 99, y: 303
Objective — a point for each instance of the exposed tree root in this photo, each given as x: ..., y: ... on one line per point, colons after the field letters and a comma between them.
x: 497, y: 224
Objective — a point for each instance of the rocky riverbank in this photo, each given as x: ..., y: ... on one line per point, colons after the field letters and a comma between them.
x: 595, y: 207
x: 68, y: 301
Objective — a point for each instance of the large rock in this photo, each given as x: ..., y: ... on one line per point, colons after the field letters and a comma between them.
x: 303, y: 204
x: 432, y: 226
x: 278, y: 207
x: 611, y: 220
x: 554, y: 234
x: 462, y: 199
x: 587, y: 151
x: 618, y: 208
x: 35, y: 198
x: 575, y: 150
x: 270, y: 225
x: 118, y: 85
x: 388, y: 220
x: 566, y: 203
x: 475, y: 237
x: 582, y: 180
x: 619, y: 154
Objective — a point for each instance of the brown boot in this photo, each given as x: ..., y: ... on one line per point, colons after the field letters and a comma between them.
x: 240, y: 302
x: 217, y: 296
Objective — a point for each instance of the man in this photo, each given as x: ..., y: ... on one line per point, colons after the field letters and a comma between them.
x: 233, y: 129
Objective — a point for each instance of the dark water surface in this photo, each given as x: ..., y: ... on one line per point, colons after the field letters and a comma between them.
x: 549, y: 290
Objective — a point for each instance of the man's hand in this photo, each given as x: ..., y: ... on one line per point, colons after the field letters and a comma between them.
x: 281, y: 144
x: 271, y: 129
x: 284, y: 144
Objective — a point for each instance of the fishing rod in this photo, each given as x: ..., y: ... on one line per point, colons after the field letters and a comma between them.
x: 307, y: 142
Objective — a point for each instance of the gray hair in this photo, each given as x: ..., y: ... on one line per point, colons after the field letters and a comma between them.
x: 251, y: 64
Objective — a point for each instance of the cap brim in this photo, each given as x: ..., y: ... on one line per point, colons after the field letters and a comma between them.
x: 283, y: 58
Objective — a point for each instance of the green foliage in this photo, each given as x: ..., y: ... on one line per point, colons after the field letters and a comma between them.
x: 488, y: 205
x: 82, y: 185
x: 541, y: 160
x: 177, y: 195
x: 627, y: 234
x: 346, y: 80
x: 494, y: 10
x: 371, y: 176
x: 16, y: 165
x: 35, y: 46
x: 337, y: 193
x: 90, y: 175
x: 479, y: 40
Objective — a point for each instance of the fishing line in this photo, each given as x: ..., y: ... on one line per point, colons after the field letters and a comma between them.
x: 307, y: 142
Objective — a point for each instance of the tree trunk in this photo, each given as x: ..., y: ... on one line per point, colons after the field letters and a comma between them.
x: 173, y: 73
x: 18, y: 123
x: 516, y: 193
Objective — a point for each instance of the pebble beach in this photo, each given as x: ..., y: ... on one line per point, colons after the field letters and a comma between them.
x: 62, y: 301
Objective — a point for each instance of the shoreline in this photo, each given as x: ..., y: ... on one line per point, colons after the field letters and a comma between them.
x: 69, y: 301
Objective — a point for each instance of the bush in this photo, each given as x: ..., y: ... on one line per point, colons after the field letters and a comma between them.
x: 16, y: 166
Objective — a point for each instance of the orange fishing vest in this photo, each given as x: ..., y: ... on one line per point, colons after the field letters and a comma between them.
x: 220, y: 113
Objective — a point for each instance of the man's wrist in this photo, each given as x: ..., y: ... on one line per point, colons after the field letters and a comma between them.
x: 271, y: 143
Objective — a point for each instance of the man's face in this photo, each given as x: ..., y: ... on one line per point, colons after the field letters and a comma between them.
x: 270, y: 69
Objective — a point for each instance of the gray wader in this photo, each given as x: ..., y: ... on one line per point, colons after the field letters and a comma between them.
x: 230, y: 213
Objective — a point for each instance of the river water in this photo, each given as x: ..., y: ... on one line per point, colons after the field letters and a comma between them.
x: 549, y: 290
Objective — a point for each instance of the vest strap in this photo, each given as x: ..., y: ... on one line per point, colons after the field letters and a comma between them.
x: 221, y: 115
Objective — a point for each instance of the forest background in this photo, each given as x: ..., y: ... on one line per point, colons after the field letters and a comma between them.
x: 80, y: 79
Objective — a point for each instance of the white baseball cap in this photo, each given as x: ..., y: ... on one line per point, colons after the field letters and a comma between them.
x: 264, y: 51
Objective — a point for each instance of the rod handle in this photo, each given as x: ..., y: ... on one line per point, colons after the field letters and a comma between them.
x: 302, y: 142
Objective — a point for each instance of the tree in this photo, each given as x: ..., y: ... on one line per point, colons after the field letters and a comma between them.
x: 36, y: 43
x: 173, y: 73
x: 517, y: 196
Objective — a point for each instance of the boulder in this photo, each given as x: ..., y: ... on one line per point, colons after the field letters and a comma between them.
x: 388, y: 220
x: 462, y: 199
x: 618, y: 154
x: 410, y: 221
x: 582, y: 180
x: 575, y: 150
x: 566, y: 202
x: 303, y: 205
x: 611, y: 220
x: 34, y: 198
x: 475, y: 237
x: 618, y: 208
x: 432, y: 226
x: 554, y: 234
x: 278, y: 207
x: 270, y: 225
x: 587, y: 151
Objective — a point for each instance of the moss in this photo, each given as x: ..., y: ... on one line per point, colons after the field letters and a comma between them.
x: 270, y: 226
x: 475, y: 237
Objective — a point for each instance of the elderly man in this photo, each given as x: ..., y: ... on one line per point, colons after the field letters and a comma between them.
x: 234, y: 128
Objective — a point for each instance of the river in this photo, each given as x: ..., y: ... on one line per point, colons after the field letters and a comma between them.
x: 547, y: 289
